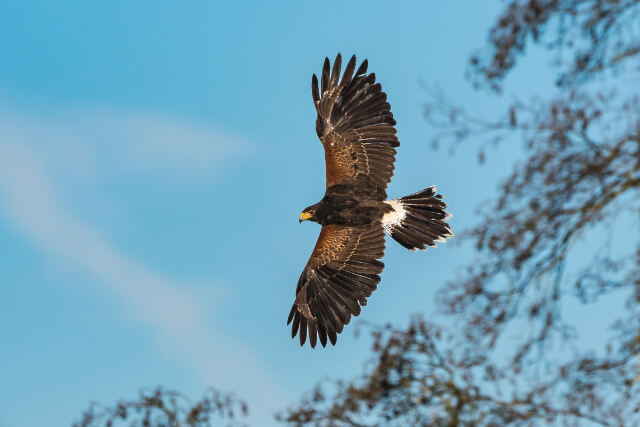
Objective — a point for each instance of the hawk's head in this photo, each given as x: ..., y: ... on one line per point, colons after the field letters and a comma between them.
x: 309, y: 213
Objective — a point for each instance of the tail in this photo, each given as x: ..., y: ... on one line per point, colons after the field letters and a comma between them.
x: 417, y: 220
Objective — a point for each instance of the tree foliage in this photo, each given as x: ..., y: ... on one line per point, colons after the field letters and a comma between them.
x: 509, y: 355
x: 588, y: 38
x: 164, y: 408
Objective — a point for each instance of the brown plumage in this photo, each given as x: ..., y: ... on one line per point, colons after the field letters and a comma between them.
x: 341, y: 273
x: 355, y: 125
x: 356, y: 128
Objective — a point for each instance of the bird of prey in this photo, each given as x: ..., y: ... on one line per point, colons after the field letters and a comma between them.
x: 356, y: 128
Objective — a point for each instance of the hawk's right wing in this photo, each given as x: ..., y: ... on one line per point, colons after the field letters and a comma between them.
x: 341, y: 274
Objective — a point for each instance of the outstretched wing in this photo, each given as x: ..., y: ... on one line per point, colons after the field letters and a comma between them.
x: 355, y: 124
x: 341, y: 274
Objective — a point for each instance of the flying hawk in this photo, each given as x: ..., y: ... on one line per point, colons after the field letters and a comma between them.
x: 356, y: 128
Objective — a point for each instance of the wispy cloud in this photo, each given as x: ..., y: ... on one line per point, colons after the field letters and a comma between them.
x: 86, y: 141
x: 29, y: 151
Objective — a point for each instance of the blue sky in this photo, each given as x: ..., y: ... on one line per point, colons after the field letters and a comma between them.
x: 154, y: 159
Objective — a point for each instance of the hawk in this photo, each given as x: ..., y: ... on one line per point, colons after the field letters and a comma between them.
x: 356, y: 128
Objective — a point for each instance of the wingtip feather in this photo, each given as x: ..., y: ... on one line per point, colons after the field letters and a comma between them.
x: 315, y: 92
x: 363, y: 68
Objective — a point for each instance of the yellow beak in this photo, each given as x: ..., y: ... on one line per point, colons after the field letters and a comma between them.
x: 304, y: 216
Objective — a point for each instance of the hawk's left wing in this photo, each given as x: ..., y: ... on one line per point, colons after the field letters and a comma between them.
x: 355, y: 125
